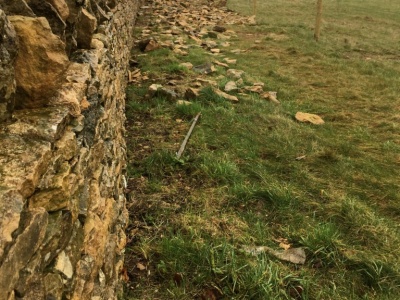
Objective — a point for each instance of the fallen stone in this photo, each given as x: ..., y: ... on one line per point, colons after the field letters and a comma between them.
x: 239, y: 81
x: 237, y: 51
x: 167, y: 93
x: 187, y: 65
x: 233, y: 73
x: 230, y: 61
x: 151, y: 46
x: 183, y: 102
x: 206, y: 68
x: 218, y: 28
x: 225, y: 44
x: 209, y: 44
x: 252, y: 20
x: 254, y: 89
x: 230, y: 86
x: 207, y: 81
x: 192, y: 93
x: 154, y: 88
x: 39, y: 79
x: 143, y: 45
x: 309, y: 118
x: 226, y: 96
x: 221, y: 64
x: 271, y: 96
x: 180, y: 52
x: 215, y: 50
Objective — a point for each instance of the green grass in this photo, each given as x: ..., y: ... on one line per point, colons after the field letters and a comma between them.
x: 239, y: 183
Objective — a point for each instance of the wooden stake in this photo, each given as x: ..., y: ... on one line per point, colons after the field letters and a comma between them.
x: 318, y: 20
x: 182, y: 148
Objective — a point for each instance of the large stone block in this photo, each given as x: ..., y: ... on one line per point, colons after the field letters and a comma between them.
x: 41, y: 62
x: 85, y: 28
x: 27, y: 242
x: 8, y: 53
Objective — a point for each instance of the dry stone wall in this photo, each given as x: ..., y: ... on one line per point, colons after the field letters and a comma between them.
x: 63, y: 66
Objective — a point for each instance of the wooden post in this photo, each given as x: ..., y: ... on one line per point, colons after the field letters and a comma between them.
x: 254, y: 7
x: 318, y: 20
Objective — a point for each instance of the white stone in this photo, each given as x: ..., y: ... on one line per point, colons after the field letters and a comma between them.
x: 63, y: 264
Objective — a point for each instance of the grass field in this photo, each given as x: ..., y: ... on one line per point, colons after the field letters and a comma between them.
x: 239, y: 184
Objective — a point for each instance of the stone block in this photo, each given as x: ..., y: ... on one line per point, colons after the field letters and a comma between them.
x: 40, y: 64
x: 85, y: 27
x: 8, y: 54
x: 26, y: 244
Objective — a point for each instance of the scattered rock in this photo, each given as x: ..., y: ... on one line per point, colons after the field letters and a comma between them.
x: 180, y: 52
x: 148, y: 45
x: 151, y: 46
x: 226, y: 96
x: 192, y: 93
x: 254, y: 89
x: 218, y: 63
x: 309, y: 118
x: 183, y: 102
x: 154, y: 88
x: 236, y: 74
x: 206, y: 68
x: 187, y: 65
x: 218, y: 28
x: 230, y: 61
x: 239, y: 81
x: 271, y: 96
x: 215, y: 50
x: 230, y: 86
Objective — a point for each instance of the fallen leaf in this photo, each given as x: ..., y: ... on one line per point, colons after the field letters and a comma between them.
x: 124, y: 273
x: 140, y: 266
x: 284, y: 246
x: 178, y: 279
x: 309, y: 118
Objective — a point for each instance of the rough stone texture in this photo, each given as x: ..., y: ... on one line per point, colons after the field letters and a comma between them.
x: 8, y: 53
x: 41, y: 62
x: 62, y: 201
x: 85, y: 29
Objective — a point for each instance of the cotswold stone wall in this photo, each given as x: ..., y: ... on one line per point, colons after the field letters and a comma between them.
x: 63, y: 65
